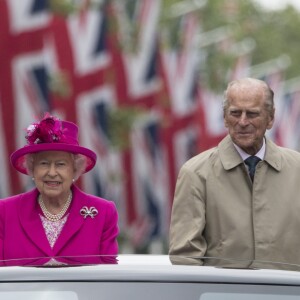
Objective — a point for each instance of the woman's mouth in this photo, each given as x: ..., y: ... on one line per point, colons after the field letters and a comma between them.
x: 53, y: 183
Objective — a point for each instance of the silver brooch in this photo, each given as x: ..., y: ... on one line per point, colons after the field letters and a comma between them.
x: 92, y: 212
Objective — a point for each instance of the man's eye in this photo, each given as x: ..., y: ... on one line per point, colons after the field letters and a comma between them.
x: 235, y: 113
x: 252, y: 114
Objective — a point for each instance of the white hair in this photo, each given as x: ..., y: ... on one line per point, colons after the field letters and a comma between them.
x: 254, y: 83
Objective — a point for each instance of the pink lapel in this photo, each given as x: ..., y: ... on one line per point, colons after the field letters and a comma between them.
x: 74, y: 222
x: 31, y: 222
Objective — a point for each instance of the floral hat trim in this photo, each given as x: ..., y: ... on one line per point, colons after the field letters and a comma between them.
x: 48, y: 130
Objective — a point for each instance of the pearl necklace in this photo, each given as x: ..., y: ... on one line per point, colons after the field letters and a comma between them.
x: 58, y: 216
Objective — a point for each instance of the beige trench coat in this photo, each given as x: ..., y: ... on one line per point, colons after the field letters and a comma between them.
x: 217, y: 212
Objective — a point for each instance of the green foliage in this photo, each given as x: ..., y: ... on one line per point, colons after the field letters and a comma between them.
x: 279, y: 34
x: 62, y: 7
x: 274, y: 33
x: 120, y: 121
x: 60, y: 84
x: 65, y: 8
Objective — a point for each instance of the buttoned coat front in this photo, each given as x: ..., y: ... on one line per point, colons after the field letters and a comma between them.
x: 82, y: 239
x: 218, y: 212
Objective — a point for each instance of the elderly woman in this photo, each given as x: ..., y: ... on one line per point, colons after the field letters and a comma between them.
x: 56, y: 223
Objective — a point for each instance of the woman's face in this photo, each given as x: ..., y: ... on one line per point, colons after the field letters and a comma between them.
x: 53, y: 173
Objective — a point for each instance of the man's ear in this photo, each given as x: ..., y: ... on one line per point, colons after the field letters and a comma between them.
x: 225, y: 120
x: 271, y: 119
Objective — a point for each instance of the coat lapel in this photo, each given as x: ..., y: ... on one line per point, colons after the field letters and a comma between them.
x: 74, y: 222
x: 229, y: 156
x: 273, y: 155
x: 31, y: 222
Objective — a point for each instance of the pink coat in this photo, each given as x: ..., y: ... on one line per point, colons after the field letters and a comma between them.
x: 23, y: 240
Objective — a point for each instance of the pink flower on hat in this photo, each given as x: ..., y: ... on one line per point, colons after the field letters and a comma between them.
x: 48, y: 130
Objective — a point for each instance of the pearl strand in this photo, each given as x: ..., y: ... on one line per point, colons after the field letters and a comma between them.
x: 58, y: 216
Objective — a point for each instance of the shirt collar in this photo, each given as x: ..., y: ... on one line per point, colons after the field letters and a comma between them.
x: 260, y: 153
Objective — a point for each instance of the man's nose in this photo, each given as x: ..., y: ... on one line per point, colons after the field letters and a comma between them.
x: 244, y: 120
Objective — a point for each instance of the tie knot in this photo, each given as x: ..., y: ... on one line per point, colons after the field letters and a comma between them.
x: 251, y: 162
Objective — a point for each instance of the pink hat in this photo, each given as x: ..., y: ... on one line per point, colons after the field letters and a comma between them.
x: 52, y: 134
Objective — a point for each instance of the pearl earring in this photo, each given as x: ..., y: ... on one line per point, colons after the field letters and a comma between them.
x: 32, y: 178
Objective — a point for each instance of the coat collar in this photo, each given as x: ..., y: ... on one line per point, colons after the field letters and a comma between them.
x: 28, y: 211
x: 230, y: 157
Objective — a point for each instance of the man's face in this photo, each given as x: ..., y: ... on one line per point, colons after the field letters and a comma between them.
x: 247, y: 119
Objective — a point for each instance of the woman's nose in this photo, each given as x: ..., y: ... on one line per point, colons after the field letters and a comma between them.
x: 52, y: 169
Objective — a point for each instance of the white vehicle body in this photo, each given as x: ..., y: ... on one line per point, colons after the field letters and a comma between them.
x: 146, y: 277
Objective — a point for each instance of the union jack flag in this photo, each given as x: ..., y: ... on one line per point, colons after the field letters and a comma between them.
x: 181, y: 65
x: 150, y: 173
x: 139, y: 20
x: 106, y: 179
x: 24, y: 29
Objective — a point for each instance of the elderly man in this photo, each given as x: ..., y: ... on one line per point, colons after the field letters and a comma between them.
x: 238, y: 204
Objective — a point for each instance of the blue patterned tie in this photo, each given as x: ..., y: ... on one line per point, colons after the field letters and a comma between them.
x: 251, y: 162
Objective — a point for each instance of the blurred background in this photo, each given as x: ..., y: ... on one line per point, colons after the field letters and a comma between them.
x: 144, y: 80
